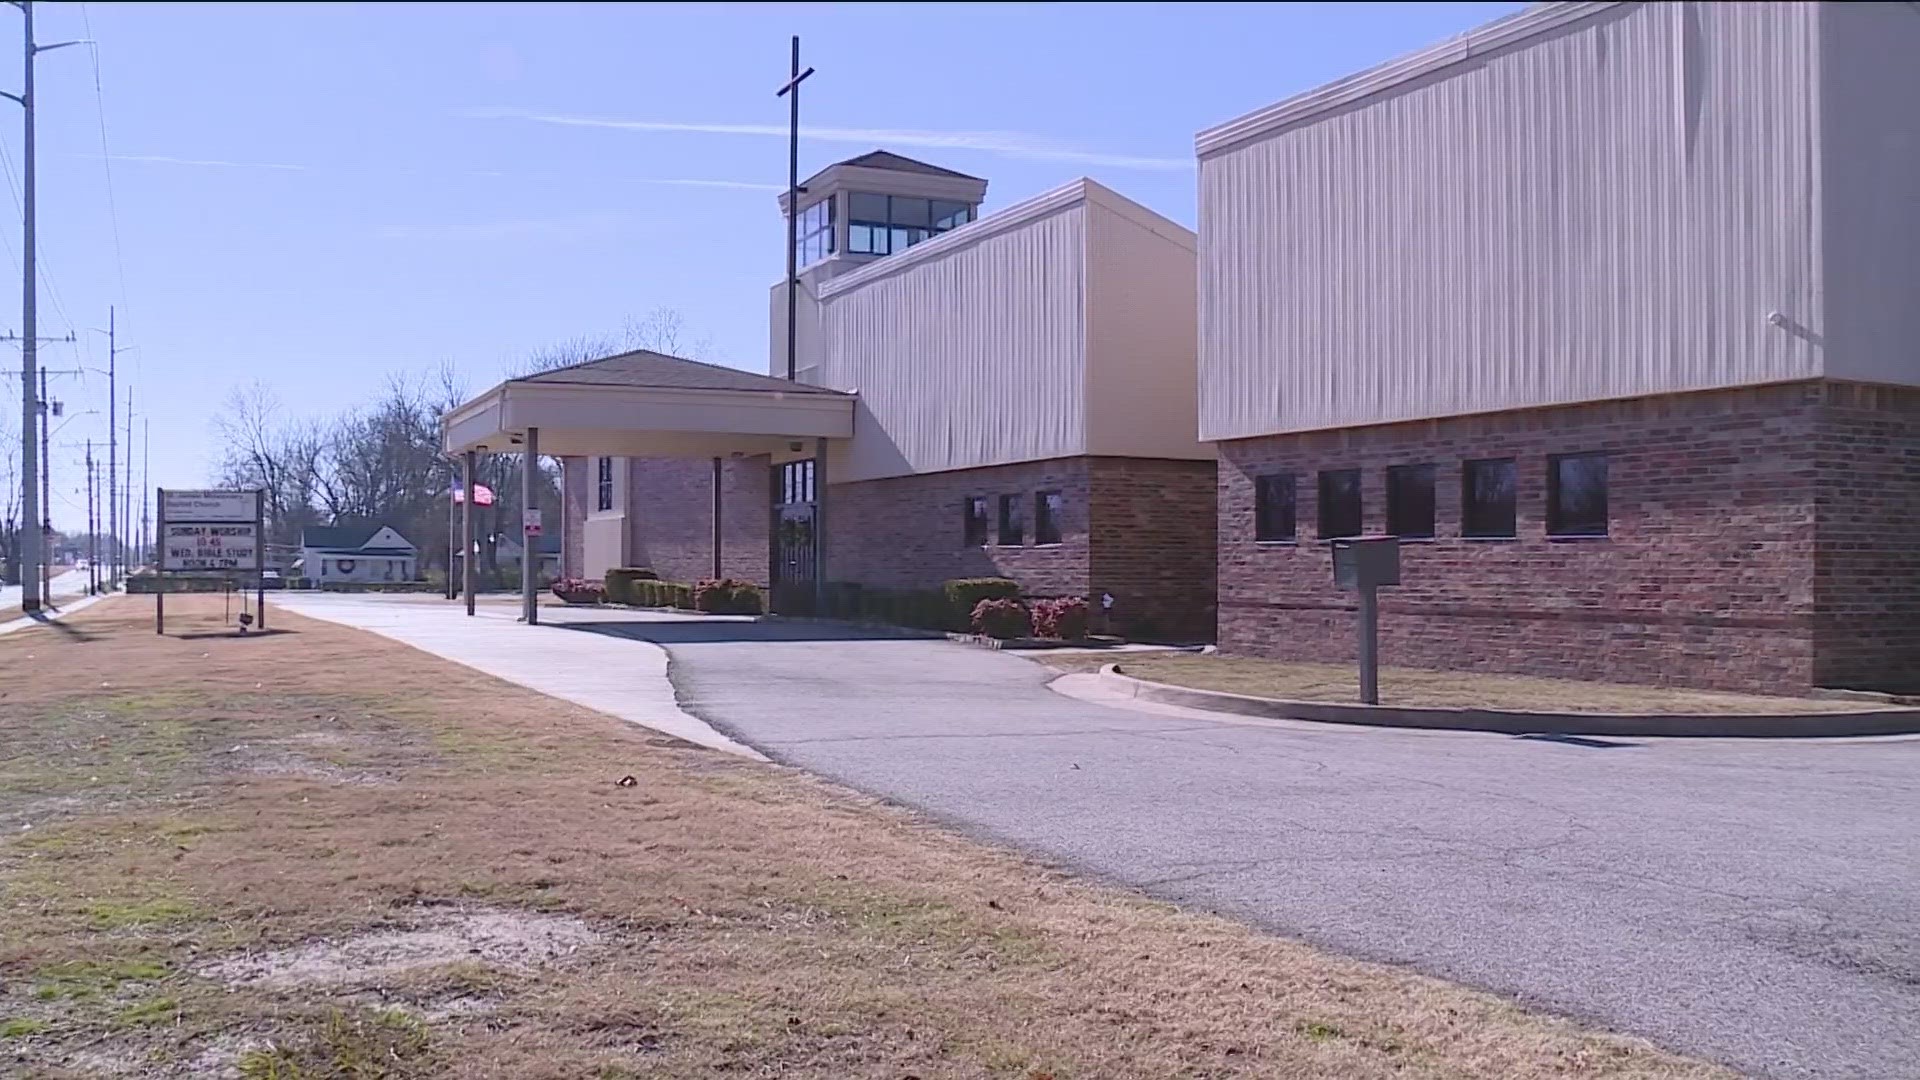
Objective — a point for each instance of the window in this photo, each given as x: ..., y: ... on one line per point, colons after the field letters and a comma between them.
x: 1487, y: 490
x: 1047, y: 506
x: 794, y: 485
x: 1274, y: 498
x: 1012, y: 532
x: 1410, y: 501
x: 813, y: 233
x: 605, y: 499
x: 974, y: 525
x: 886, y: 224
x: 1339, y: 503
x: 1577, y: 495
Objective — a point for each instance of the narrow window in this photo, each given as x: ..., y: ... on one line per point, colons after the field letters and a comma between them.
x: 1012, y: 530
x: 1577, y: 495
x: 1487, y: 497
x: 1410, y: 501
x: 1274, y: 498
x: 605, y: 499
x: 974, y: 512
x: 1047, y: 506
x: 1339, y: 503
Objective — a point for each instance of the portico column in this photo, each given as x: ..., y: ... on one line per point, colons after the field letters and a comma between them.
x: 820, y: 526
x: 718, y: 563
x: 529, y: 545
x: 466, y: 529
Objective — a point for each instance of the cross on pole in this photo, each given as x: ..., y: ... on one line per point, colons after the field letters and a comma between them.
x: 791, y: 91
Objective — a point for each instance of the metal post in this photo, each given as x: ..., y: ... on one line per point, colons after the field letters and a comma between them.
x: 1370, y: 644
x: 453, y: 532
x: 466, y: 529
x: 529, y: 543
x: 160, y: 566
x: 717, y: 561
x: 820, y: 526
x: 260, y: 559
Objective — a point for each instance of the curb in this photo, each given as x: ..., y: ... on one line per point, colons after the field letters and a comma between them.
x: 1506, y: 722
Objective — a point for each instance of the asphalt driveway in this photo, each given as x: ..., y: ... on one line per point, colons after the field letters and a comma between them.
x: 1753, y: 902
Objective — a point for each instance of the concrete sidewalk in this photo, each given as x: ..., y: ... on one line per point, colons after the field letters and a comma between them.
x: 619, y: 677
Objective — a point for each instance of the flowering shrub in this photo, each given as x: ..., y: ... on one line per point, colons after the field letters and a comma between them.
x: 1002, y: 618
x: 727, y: 596
x: 1066, y: 618
x: 580, y: 591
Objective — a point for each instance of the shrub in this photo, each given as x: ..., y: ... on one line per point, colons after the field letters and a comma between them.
x: 727, y: 596
x: 679, y: 595
x: 619, y: 582
x: 580, y: 590
x: 965, y: 594
x: 1002, y: 618
x: 1066, y: 617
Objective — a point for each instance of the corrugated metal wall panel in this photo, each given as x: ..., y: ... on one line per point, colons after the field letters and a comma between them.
x: 1612, y: 209
x: 1870, y: 183
x: 975, y: 358
x: 1141, y: 338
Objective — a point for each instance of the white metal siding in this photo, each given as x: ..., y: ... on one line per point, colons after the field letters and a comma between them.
x: 1870, y: 135
x: 1611, y: 209
x: 1141, y: 337
x: 976, y: 357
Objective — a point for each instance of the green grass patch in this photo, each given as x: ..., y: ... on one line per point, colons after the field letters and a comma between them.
x: 158, y: 1010
x: 115, y: 915
x: 80, y: 979
x: 20, y: 1027
x: 390, y: 1045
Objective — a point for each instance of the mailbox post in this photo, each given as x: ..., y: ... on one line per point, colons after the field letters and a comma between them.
x: 1366, y: 563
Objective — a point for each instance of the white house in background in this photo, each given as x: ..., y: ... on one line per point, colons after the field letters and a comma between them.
x: 356, y: 553
x: 506, y: 553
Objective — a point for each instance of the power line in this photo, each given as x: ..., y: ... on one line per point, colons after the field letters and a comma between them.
x: 45, y: 275
x: 106, y: 158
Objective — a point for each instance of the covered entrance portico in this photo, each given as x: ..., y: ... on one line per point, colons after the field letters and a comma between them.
x: 650, y: 405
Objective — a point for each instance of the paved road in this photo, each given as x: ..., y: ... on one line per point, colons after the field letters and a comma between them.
x: 1756, y: 902
x: 68, y: 583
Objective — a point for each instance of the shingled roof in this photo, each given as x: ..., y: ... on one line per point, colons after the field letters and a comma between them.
x: 645, y: 368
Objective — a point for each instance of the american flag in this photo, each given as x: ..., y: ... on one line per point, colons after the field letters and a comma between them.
x: 482, y: 494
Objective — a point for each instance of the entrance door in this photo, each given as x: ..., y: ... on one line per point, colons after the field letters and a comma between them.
x: 793, y: 538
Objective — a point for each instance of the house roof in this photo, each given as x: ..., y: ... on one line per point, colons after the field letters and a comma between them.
x: 347, y: 538
x: 643, y: 367
x: 337, y: 536
x: 887, y: 159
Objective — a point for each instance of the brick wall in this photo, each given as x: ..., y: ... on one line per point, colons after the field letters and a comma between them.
x: 573, y: 510
x: 1154, y: 544
x: 1707, y: 577
x: 1867, y: 561
x: 1138, y: 528
x: 670, y: 517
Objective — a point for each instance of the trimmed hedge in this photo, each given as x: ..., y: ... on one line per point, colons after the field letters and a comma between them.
x: 1002, y: 618
x: 620, y: 581
x: 965, y: 594
x: 728, y: 596
x: 651, y: 592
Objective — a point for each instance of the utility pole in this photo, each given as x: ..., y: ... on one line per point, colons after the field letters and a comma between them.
x: 126, y: 492
x: 115, y: 550
x: 93, y: 530
x: 146, y: 459
x: 32, y: 544
x: 49, y: 409
x: 791, y: 91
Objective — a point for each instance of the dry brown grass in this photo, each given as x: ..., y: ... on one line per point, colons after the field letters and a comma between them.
x: 1455, y: 689
x: 192, y: 806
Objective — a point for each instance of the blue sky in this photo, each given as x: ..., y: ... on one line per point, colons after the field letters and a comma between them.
x: 318, y: 196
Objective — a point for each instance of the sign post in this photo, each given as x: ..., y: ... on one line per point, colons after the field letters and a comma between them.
x: 211, y: 532
x: 1366, y: 563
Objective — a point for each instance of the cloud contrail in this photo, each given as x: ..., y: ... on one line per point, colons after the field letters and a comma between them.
x: 1005, y: 143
